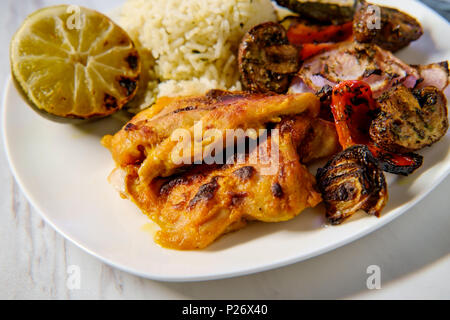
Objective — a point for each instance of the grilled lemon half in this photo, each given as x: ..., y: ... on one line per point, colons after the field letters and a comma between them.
x: 74, y: 63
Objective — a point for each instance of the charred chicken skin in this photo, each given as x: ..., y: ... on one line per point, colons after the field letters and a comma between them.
x: 148, y: 138
x: 197, y: 207
x: 196, y: 204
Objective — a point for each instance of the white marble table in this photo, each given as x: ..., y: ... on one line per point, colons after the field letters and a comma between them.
x: 413, y: 252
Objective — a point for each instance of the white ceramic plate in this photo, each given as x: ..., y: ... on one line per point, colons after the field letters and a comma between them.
x: 63, y: 169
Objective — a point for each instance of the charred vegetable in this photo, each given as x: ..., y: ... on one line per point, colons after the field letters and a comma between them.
x: 410, y: 120
x: 301, y: 32
x: 352, y: 105
x: 267, y: 61
x: 350, y: 182
x: 390, y: 162
x: 353, y: 109
x: 312, y: 38
x: 391, y: 30
x: 328, y: 11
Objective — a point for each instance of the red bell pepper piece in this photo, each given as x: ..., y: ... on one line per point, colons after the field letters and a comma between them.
x: 316, y: 39
x: 300, y: 33
x: 352, y: 106
x: 309, y: 50
x: 394, y: 163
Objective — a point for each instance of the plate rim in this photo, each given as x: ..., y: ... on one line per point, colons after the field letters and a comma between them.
x: 9, y: 89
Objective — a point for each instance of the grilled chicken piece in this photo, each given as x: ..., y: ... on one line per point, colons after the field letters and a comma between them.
x: 396, y: 30
x: 196, y: 207
x: 325, y: 11
x: 154, y: 141
x: 321, y: 142
x: 434, y: 75
x: 267, y: 61
x: 410, y: 120
x: 350, y: 182
x: 353, y: 61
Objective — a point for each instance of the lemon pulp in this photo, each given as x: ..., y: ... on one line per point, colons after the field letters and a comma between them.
x: 74, y: 62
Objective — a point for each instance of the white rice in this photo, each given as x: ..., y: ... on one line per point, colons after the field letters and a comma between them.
x: 189, y: 47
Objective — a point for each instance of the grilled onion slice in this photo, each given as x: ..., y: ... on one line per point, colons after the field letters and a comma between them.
x: 350, y: 182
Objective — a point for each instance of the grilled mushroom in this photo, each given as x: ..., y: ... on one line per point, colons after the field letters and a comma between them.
x: 410, y: 120
x: 350, y: 182
x: 267, y: 61
x: 325, y: 11
x: 395, y: 31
